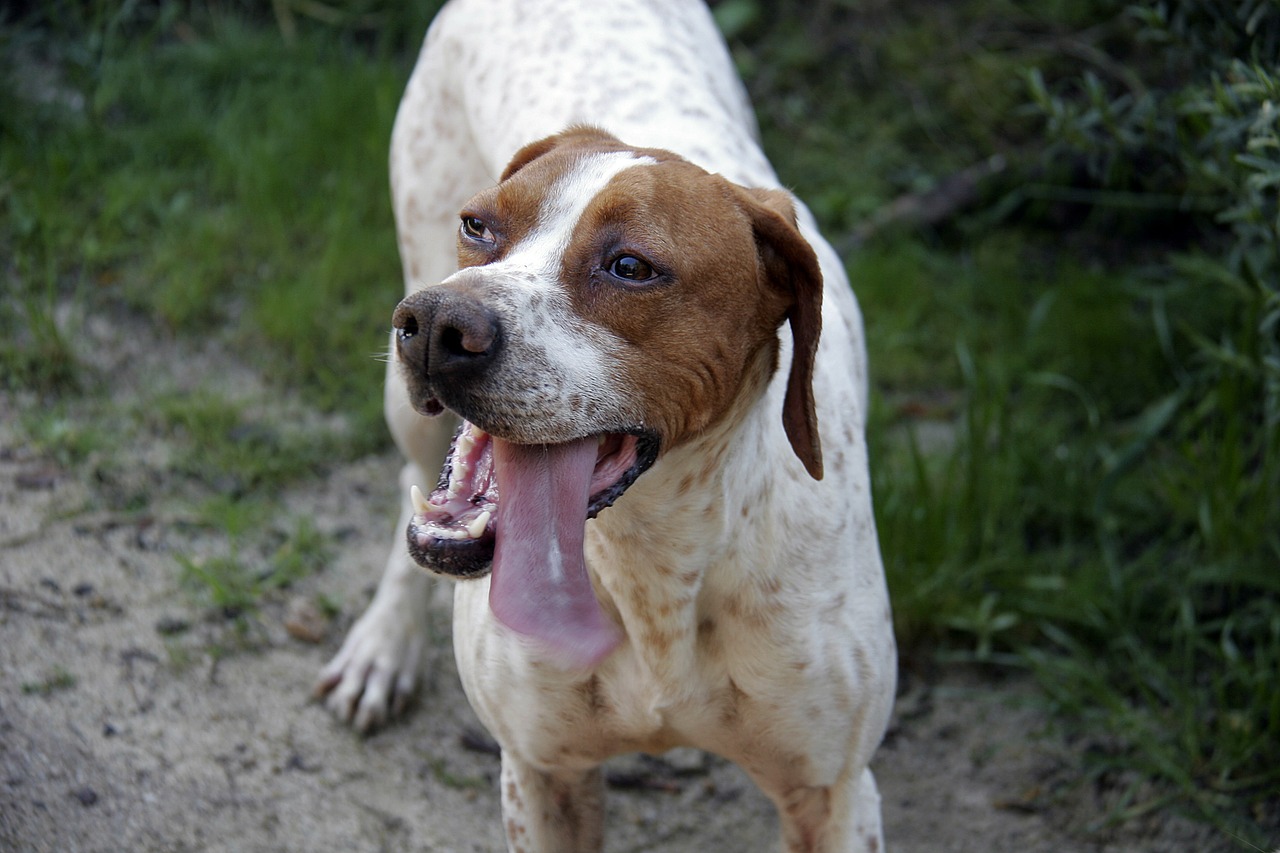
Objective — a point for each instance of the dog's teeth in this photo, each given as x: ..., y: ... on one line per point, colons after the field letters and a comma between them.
x: 445, y: 533
x: 457, y: 477
x: 420, y: 504
x: 476, y: 528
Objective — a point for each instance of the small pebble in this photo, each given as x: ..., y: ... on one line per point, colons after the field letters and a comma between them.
x: 304, y: 621
x: 170, y: 625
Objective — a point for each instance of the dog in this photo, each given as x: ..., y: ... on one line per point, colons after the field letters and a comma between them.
x: 657, y: 508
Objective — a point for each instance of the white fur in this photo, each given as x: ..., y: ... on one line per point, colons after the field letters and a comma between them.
x: 540, y: 252
x: 787, y: 569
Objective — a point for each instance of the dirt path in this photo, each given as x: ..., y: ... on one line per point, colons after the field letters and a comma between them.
x: 123, y: 727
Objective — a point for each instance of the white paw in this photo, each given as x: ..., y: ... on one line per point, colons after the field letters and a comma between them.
x: 375, y: 674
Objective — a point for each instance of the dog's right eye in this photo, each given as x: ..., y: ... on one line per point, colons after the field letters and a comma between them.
x: 475, y: 228
x: 631, y: 268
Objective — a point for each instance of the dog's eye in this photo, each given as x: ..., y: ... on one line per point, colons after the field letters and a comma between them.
x: 475, y: 228
x: 631, y: 268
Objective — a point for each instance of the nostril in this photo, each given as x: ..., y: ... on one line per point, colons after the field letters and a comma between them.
x: 409, y: 327
x: 467, y: 342
x: 451, y: 341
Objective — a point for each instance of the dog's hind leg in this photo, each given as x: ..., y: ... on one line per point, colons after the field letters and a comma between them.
x: 841, y: 818
x: 434, y: 170
x: 545, y: 813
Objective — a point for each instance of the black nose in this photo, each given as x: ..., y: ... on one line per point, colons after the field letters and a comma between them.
x: 446, y: 337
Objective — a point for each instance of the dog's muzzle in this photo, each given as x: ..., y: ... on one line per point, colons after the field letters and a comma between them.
x: 444, y: 339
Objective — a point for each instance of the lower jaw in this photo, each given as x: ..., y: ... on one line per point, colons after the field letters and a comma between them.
x: 456, y: 559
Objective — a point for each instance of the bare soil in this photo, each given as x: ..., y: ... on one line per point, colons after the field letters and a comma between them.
x: 133, y: 719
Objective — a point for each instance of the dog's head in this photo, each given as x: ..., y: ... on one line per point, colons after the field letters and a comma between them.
x: 612, y: 303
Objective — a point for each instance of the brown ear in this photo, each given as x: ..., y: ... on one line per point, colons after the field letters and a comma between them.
x: 578, y: 134
x: 793, y: 267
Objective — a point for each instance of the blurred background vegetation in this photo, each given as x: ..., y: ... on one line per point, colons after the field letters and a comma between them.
x: 1061, y: 220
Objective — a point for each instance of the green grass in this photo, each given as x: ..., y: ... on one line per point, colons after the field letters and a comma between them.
x: 221, y: 444
x: 60, y: 679
x: 226, y: 182
x: 1123, y: 548
x: 1075, y: 430
x: 234, y: 583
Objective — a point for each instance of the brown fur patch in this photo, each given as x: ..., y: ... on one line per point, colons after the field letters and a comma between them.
x: 729, y: 268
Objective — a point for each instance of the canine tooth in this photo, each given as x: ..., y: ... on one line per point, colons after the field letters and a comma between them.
x: 420, y: 504
x: 476, y: 528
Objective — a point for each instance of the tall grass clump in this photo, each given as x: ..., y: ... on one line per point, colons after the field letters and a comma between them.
x: 1188, y: 509
x: 1108, y: 512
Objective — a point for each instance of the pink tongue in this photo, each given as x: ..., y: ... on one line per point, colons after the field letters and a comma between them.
x: 540, y: 585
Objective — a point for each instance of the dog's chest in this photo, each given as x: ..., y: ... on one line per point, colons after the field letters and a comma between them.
x: 716, y: 639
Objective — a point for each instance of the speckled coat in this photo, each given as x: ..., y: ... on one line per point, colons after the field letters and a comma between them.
x: 749, y: 594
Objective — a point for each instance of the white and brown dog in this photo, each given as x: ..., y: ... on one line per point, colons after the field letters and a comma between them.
x: 633, y: 331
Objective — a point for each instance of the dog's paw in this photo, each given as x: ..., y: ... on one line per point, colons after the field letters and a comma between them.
x: 375, y: 674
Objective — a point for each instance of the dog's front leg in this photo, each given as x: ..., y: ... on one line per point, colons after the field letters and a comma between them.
x: 551, y: 813
x: 375, y: 673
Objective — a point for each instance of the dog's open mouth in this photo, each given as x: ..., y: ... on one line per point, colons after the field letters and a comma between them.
x: 519, y: 510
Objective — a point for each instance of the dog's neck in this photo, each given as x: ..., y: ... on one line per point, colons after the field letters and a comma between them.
x: 657, y: 556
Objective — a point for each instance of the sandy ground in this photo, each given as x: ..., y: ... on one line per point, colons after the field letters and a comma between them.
x: 121, y: 727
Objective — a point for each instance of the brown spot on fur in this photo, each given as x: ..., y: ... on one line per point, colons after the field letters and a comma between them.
x: 639, y: 597
x: 592, y: 695
x: 731, y: 704
x: 862, y: 662
x: 809, y: 809
x: 660, y: 641
x: 663, y: 570
x: 831, y: 611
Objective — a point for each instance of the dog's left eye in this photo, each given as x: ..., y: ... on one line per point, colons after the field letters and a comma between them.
x: 475, y: 228
x: 631, y: 268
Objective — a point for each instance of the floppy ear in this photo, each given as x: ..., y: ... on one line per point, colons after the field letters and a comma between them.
x: 792, y: 267
x: 578, y: 134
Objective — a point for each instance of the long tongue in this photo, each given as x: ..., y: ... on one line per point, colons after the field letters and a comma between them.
x: 540, y: 585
